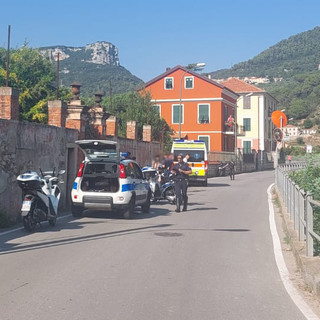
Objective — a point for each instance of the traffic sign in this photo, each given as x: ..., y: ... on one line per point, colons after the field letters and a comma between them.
x: 279, y: 119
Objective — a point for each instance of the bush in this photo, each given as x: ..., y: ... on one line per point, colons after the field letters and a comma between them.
x: 309, y: 180
x: 300, y: 141
x: 307, y: 124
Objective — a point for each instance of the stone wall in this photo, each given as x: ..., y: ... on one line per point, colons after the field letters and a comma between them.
x: 28, y: 146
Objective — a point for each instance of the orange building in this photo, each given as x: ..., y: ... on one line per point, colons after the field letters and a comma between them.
x: 206, y: 107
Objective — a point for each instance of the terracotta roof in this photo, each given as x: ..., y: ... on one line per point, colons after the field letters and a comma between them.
x: 240, y: 86
x: 171, y: 70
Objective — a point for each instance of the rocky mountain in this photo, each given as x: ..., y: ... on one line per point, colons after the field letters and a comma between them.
x: 96, y: 66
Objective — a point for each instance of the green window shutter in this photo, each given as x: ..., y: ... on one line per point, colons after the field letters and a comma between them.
x: 203, y: 113
x: 246, y: 147
x: 247, y: 124
x: 189, y: 82
x: 205, y: 139
x: 175, y: 112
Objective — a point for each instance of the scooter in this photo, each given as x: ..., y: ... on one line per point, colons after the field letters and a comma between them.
x: 222, y: 169
x: 161, y: 184
x: 41, y: 195
x: 153, y: 178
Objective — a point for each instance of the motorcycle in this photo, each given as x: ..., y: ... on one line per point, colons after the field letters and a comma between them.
x: 222, y: 169
x: 41, y: 195
x: 161, y: 184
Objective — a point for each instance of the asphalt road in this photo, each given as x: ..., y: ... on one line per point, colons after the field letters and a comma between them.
x: 215, y: 261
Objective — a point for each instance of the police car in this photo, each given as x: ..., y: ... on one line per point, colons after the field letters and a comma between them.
x: 107, y: 182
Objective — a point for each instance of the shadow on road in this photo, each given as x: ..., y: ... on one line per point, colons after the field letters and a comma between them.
x: 232, y: 230
x: 10, y: 248
x: 218, y: 184
x: 202, y: 209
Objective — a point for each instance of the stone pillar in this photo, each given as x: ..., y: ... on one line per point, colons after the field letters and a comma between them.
x: 9, y: 103
x: 132, y: 130
x: 97, y: 120
x: 57, y: 113
x: 147, y: 133
x: 112, y: 126
x: 76, y: 117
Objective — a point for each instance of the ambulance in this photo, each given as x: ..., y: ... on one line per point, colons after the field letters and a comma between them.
x: 198, y: 160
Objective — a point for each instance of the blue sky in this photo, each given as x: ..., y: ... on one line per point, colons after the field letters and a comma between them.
x: 153, y: 35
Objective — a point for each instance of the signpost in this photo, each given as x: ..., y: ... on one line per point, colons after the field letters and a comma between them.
x: 280, y: 120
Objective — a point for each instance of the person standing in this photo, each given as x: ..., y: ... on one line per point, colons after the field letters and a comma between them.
x: 181, y: 171
x: 156, y: 162
x: 231, y: 169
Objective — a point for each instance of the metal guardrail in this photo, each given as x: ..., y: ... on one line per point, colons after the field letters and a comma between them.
x: 298, y: 203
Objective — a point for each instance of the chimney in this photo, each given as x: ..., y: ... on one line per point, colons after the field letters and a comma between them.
x: 9, y: 103
x: 132, y: 130
x: 168, y: 68
x: 57, y: 113
x: 147, y: 133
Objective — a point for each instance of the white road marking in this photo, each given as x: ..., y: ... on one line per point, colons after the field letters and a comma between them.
x: 283, y: 270
x: 21, y: 228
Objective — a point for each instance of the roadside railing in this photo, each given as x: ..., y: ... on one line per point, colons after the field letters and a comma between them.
x: 299, y: 204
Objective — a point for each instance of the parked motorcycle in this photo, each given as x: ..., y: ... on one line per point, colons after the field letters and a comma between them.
x: 222, y: 169
x: 41, y: 195
x: 161, y: 184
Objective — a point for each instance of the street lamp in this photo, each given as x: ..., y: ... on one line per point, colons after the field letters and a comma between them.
x: 193, y: 67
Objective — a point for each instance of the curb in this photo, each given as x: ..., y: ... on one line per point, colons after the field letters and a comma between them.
x: 309, y: 267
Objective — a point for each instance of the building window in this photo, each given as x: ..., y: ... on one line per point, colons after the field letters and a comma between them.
x: 206, y: 140
x: 157, y: 109
x: 246, y: 102
x: 246, y: 147
x: 246, y: 124
x: 175, y: 113
x: 168, y: 83
x: 203, y: 113
x: 188, y: 82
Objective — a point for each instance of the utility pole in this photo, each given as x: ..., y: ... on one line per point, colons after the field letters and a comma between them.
x: 57, y: 75
x: 8, y: 57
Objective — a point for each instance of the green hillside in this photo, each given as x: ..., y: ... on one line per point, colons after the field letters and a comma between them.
x: 99, y: 78
x: 295, y: 61
x: 298, y: 54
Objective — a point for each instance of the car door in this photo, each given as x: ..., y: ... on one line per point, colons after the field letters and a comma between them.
x: 141, y: 190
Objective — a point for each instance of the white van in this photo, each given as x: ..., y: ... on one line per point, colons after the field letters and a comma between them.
x: 198, y: 160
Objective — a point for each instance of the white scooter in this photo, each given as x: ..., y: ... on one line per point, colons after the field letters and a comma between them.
x: 41, y: 195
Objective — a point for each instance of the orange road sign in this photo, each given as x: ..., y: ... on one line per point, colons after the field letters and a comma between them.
x: 279, y: 119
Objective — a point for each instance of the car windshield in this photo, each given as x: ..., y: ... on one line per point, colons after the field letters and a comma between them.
x: 101, y: 151
x: 195, y: 155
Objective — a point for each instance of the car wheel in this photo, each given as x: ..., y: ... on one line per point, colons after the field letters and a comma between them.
x: 129, y: 211
x: 76, y: 211
x: 146, y: 206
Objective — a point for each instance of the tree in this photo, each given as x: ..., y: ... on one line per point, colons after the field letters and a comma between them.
x: 33, y: 75
x: 137, y: 107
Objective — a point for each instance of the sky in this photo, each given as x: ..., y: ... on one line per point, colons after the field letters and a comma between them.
x: 153, y: 35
